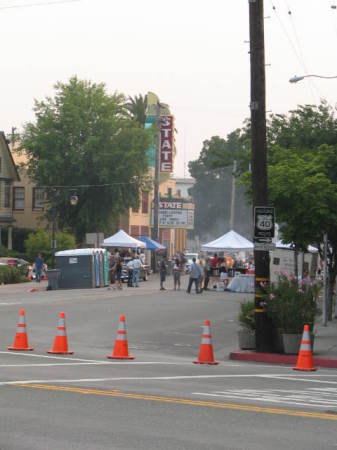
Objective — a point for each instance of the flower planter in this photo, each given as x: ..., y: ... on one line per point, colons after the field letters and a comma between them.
x: 246, y: 339
x: 291, y: 343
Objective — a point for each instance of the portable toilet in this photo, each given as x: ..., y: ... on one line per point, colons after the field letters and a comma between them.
x: 81, y: 268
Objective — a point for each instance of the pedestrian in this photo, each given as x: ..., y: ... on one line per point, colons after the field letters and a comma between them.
x: 202, y: 275
x: 176, y: 274
x: 130, y: 272
x: 162, y: 274
x: 207, y: 272
x: 195, y: 275
x: 223, y: 272
x: 39, y: 262
x: 136, y: 268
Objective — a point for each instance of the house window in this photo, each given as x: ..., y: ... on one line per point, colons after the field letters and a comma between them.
x: 169, y: 192
x: 134, y: 230
x: 19, y: 198
x: 38, y: 198
x: 7, y: 194
x: 144, y: 231
x: 145, y: 202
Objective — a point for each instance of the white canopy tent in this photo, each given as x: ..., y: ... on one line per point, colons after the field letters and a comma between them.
x: 230, y: 241
x: 123, y: 240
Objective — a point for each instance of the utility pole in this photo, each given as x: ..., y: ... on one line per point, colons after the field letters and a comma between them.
x: 232, y: 218
x: 259, y: 160
x: 155, y: 229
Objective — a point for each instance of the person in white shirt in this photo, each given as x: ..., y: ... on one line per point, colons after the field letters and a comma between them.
x: 136, y: 267
x: 130, y: 272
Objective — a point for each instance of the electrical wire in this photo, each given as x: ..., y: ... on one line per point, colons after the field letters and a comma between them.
x: 47, y: 3
x: 296, y: 51
x: 300, y: 51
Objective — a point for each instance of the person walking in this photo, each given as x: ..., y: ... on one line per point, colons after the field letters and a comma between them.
x: 195, y: 275
x: 39, y: 262
x: 202, y: 276
x: 118, y: 272
x: 162, y: 273
x: 130, y: 272
x: 176, y: 274
x: 136, y: 268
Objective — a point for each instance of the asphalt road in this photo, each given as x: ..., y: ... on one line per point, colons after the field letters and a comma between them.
x: 160, y: 400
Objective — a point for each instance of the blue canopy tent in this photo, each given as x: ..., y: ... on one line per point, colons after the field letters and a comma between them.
x: 151, y: 244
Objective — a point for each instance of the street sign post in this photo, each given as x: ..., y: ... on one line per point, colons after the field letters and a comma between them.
x: 264, y: 223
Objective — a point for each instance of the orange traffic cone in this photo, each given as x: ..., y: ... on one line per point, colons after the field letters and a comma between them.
x: 61, y: 342
x: 21, y: 338
x: 304, y: 360
x: 206, y: 355
x: 121, y: 350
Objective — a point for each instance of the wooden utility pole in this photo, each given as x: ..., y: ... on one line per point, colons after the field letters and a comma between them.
x: 259, y: 160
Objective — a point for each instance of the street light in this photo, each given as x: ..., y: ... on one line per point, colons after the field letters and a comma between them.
x: 296, y: 79
x: 73, y: 201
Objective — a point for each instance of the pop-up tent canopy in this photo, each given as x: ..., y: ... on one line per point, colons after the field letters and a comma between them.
x: 230, y: 241
x: 123, y: 240
x: 152, y: 245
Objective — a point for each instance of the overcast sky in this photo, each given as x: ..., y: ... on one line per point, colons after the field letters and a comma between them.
x: 192, y: 54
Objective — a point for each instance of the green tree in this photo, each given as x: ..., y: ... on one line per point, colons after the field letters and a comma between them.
x: 137, y: 106
x: 40, y: 242
x: 86, y: 138
x: 305, y: 198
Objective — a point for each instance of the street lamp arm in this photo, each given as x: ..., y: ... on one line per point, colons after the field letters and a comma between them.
x: 295, y: 79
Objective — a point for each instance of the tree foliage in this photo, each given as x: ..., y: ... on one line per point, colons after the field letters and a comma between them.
x: 40, y: 242
x: 302, y: 176
x: 86, y: 138
x: 137, y: 106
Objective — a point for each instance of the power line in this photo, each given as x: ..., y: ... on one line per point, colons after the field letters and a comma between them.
x: 30, y: 5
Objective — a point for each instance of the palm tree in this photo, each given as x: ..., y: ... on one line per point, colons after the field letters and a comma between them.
x: 137, y: 107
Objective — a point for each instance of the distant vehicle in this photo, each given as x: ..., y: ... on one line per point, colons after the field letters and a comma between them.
x: 189, y: 260
x: 144, y: 271
x: 13, y: 262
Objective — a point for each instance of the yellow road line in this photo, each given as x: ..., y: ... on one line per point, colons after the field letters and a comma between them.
x: 183, y: 401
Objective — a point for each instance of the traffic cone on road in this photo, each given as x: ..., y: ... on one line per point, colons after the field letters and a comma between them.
x: 21, y: 338
x: 304, y: 360
x: 206, y: 355
x: 60, y: 346
x: 121, y: 350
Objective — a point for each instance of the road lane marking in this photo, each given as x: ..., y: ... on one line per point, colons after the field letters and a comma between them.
x: 183, y: 401
x: 307, y: 397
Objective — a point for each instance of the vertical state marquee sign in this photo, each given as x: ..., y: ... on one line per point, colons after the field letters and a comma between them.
x: 166, y: 143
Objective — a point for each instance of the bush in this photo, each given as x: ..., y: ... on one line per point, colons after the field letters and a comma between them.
x: 40, y: 242
x: 11, y: 275
x: 246, y: 314
x: 291, y: 303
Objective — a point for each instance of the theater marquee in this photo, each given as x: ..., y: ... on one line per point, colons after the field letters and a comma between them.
x: 166, y: 143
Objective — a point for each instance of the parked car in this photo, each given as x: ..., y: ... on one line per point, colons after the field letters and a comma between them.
x: 144, y: 271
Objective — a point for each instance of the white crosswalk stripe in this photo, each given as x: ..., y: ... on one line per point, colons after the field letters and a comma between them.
x: 315, y: 397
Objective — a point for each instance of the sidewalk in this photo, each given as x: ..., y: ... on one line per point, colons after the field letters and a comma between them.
x: 324, y: 355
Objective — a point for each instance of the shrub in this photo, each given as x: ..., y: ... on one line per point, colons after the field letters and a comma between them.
x: 11, y: 275
x: 40, y: 242
x: 291, y: 303
x: 246, y: 314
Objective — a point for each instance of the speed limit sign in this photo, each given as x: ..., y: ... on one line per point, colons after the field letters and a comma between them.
x: 264, y: 222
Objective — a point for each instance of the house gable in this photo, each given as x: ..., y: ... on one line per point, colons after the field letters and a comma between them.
x: 8, y: 169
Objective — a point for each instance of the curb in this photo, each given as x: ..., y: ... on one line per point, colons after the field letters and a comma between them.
x: 277, y: 358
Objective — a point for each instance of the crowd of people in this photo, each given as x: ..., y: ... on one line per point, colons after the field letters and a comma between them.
x: 126, y: 265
